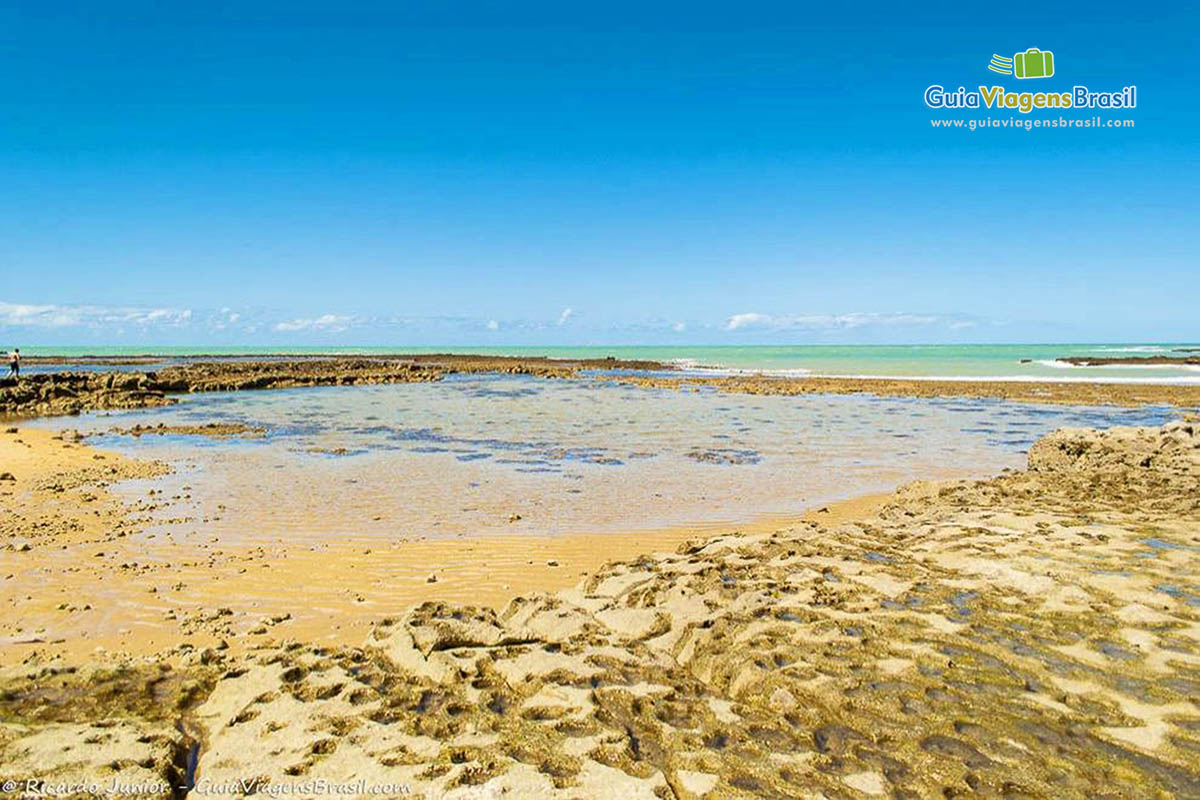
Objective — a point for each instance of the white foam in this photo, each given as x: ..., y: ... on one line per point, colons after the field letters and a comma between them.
x: 1152, y: 381
x: 1145, y: 348
x: 1066, y: 365
x: 1085, y: 373
x: 691, y: 365
x: 1089, y: 378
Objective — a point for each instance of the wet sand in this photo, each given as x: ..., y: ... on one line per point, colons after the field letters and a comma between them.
x: 77, y: 577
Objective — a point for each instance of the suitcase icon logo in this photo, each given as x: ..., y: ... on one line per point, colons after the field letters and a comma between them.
x: 1033, y: 63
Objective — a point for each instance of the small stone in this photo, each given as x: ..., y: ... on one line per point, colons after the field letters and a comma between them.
x: 431, y: 579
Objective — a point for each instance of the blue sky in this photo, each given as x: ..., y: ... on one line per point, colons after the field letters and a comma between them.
x: 539, y: 173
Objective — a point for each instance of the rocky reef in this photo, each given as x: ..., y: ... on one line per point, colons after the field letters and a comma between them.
x: 1059, y: 392
x: 58, y: 393
x: 1032, y: 635
x: 1151, y: 361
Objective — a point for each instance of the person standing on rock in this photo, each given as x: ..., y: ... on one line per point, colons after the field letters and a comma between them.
x: 14, y: 364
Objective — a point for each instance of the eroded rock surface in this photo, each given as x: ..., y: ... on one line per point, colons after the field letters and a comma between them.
x: 73, y: 392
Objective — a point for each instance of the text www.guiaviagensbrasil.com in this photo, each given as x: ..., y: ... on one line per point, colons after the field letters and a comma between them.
x: 1023, y: 124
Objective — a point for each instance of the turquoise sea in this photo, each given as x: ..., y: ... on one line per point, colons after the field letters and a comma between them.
x: 998, y: 361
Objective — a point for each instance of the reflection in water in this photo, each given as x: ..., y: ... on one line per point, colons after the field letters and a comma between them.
x: 511, y: 454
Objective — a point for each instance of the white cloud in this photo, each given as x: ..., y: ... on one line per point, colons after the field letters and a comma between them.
x: 225, y: 318
x: 71, y: 319
x: 121, y: 320
x: 850, y: 321
x: 751, y: 320
x: 92, y: 316
x: 326, y: 322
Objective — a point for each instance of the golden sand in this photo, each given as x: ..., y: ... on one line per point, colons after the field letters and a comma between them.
x: 90, y: 580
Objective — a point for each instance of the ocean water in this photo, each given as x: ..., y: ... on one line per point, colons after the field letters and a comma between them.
x: 500, y: 454
x: 1002, y: 361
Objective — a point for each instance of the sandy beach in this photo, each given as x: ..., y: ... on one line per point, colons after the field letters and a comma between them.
x: 477, y: 401
x: 95, y: 588
x: 1034, y: 634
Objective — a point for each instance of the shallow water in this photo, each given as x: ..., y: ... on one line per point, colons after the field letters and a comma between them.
x: 464, y: 456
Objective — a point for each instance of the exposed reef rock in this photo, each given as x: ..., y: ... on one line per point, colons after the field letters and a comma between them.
x: 216, y: 430
x: 57, y: 393
x: 1150, y: 361
x: 1069, y: 393
x: 1167, y: 451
